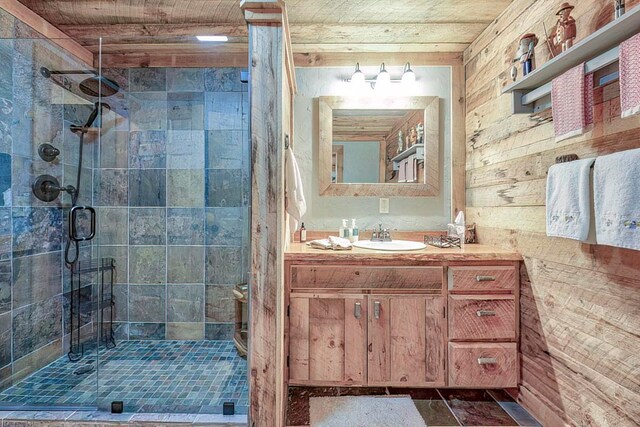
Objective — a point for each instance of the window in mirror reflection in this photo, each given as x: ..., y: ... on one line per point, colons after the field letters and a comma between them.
x: 377, y: 146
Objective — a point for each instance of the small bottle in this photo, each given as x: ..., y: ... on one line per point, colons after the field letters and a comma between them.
x: 343, y: 229
x: 354, y: 231
x: 303, y: 234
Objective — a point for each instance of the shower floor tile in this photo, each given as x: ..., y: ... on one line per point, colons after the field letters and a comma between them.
x: 148, y: 376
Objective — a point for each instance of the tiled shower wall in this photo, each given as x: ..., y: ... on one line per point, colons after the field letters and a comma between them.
x: 173, y: 197
x: 34, y: 285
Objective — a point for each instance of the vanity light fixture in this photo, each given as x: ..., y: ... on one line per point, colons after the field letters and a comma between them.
x: 383, y: 80
x: 213, y: 38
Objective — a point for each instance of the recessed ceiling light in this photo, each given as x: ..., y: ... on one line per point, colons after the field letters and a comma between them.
x: 213, y: 38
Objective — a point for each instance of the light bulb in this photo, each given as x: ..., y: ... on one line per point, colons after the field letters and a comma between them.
x: 358, y: 76
x: 383, y: 81
x: 408, y: 77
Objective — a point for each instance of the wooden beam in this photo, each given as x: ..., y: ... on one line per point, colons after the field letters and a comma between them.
x: 344, y: 59
x: 125, y: 33
x: 141, y: 60
x: 49, y: 31
x: 458, y: 139
x: 378, y: 47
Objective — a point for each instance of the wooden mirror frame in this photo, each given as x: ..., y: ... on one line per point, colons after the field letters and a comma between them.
x: 431, y: 107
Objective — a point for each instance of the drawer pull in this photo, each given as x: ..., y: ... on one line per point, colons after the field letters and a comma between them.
x: 487, y: 361
x: 485, y: 313
x: 357, y: 310
x: 376, y: 309
x: 485, y: 278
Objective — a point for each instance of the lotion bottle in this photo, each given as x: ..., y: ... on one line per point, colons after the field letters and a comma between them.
x: 354, y: 231
x: 343, y: 232
x: 303, y: 234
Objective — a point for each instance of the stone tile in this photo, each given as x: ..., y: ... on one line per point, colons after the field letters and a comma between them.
x: 185, y: 79
x: 147, y: 226
x: 223, y: 265
x: 148, y: 111
x: 185, y: 188
x: 223, y: 80
x: 218, y: 331
x: 185, y: 226
x: 36, y: 325
x: 5, y: 233
x: 185, y: 331
x: 147, y: 80
x: 5, y: 285
x: 185, y: 264
x: 147, y: 303
x: 224, y: 188
x: 6, y: 119
x: 121, y: 255
x: 223, y: 111
x: 147, y: 331
x: 516, y: 411
x: 185, y: 110
x: 476, y: 408
x: 70, y: 176
x: 185, y: 149
x: 118, y: 75
x: 224, y: 149
x: 112, y: 187
x: 219, y: 303
x: 82, y: 301
x: 5, y: 339
x: 77, y: 114
x: 147, y: 264
x: 185, y: 303
x: 121, y: 302
x: 114, y: 149
x: 147, y: 149
x: 24, y: 173
x: 5, y: 178
x: 113, y: 226
x: 225, y: 226
x: 147, y: 187
x: 36, y: 278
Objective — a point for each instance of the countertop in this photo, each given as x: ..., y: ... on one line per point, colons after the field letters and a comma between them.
x: 470, y: 252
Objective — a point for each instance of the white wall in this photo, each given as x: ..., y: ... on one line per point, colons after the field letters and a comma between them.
x: 361, y: 161
x: 405, y: 213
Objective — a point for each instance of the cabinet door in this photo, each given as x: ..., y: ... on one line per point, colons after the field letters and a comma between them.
x: 327, y: 339
x: 406, y: 340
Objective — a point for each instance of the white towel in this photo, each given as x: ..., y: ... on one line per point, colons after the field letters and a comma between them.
x: 616, y: 180
x: 569, y: 199
x: 295, y: 203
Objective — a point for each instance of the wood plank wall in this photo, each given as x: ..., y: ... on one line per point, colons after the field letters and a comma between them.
x: 580, y: 303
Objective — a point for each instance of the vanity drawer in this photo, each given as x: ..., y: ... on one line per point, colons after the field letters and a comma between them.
x: 365, y: 277
x: 497, y: 278
x: 482, y: 317
x: 483, y: 365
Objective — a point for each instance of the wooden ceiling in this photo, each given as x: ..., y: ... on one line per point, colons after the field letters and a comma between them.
x: 367, y: 125
x: 316, y: 26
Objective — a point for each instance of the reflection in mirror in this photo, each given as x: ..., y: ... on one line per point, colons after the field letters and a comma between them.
x: 377, y: 146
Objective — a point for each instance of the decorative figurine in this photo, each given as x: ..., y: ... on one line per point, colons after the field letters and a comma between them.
x: 619, y: 8
x: 400, y: 145
x: 525, y: 55
x: 565, y: 28
x: 413, y: 136
x: 420, y: 131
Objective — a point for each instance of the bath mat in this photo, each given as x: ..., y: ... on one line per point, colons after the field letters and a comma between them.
x: 364, y: 411
x: 630, y: 76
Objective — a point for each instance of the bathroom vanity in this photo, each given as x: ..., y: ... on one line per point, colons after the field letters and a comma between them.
x: 434, y: 317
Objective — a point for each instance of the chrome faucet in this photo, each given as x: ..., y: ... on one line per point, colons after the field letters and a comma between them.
x: 381, y: 235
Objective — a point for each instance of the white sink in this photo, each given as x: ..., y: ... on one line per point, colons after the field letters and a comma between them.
x: 394, y: 245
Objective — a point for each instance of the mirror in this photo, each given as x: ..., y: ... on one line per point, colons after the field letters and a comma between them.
x: 379, y: 147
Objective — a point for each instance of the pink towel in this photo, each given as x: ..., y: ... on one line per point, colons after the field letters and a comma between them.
x: 572, y: 103
x: 630, y: 76
x: 402, y: 171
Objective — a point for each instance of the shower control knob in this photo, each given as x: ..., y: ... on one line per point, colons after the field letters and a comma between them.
x: 48, y: 152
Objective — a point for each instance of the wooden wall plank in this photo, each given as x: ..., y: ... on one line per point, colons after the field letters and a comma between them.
x: 579, y: 321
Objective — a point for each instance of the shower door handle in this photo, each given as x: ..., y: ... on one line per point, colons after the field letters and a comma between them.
x: 73, y: 227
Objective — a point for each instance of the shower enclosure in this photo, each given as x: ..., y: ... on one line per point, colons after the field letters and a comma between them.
x: 124, y: 228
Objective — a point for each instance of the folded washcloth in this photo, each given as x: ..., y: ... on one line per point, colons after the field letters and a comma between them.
x: 630, y: 76
x: 295, y: 203
x: 616, y: 182
x: 333, y: 242
x: 572, y: 103
x: 569, y: 199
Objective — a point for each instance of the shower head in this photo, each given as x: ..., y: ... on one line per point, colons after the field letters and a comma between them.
x: 99, y: 86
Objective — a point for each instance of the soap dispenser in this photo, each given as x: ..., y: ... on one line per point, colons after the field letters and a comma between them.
x: 344, y: 231
x: 354, y: 231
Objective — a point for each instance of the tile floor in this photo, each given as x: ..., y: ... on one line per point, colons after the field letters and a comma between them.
x: 438, y: 407
x: 194, y: 377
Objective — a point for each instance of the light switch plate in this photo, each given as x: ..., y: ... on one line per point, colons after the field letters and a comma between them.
x: 384, y: 206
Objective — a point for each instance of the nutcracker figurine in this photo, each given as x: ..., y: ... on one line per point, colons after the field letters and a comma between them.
x: 525, y: 53
x: 565, y: 28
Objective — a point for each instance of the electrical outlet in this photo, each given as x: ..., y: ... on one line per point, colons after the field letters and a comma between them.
x: 384, y: 206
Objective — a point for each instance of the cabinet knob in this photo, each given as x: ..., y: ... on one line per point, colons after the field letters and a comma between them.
x: 487, y: 361
x: 485, y: 313
x: 376, y: 309
x: 485, y: 278
x: 357, y: 310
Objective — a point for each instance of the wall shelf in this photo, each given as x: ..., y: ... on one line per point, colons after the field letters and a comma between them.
x: 597, y: 50
x: 417, y: 149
